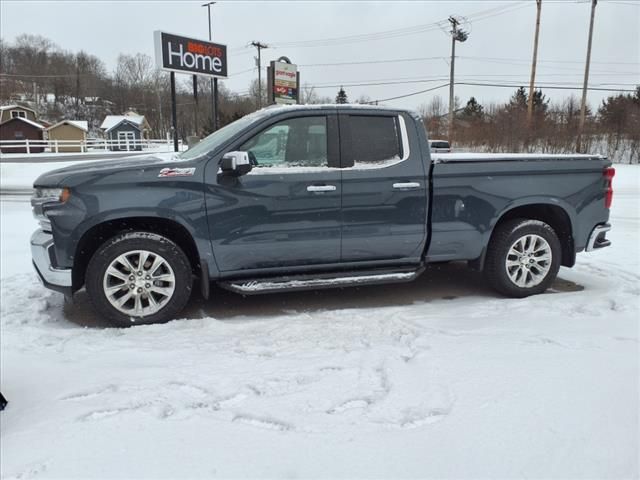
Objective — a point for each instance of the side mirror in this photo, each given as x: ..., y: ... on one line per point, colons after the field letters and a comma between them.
x: 235, y: 164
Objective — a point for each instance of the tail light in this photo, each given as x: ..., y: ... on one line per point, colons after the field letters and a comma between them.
x: 608, y: 174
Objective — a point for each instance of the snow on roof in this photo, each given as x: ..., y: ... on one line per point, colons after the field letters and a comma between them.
x: 26, y: 120
x: 9, y: 107
x: 81, y: 124
x: 111, y: 121
x: 354, y: 106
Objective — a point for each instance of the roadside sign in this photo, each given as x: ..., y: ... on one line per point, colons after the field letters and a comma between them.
x: 285, y: 82
x: 190, y: 55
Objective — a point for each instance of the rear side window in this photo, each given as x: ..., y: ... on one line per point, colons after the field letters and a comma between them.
x: 375, y: 139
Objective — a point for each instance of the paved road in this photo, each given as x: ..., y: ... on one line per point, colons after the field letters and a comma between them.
x: 11, y: 192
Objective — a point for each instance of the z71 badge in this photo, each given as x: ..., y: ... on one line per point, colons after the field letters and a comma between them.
x: 177, y: 172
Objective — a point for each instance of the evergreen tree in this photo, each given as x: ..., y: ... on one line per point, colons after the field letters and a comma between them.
x: 540, y: 102
x: 619, y: 113
x: 342, y: 96
x: 518, y: 100
x: 473, y: 110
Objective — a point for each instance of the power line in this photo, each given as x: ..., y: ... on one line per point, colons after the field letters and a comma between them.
x: 242, y: 71
x: 629, y: 4
x: 518, y: 60
x: 366, y: 62
x: 548, y: 87
x: 421, y: 79
x: 66, y: 75
x: 507, y: 61
x: 399, y: 32
x: 498, y: 85
x: 410, y: 94
x: 373, y: 84
x: 407, y: 80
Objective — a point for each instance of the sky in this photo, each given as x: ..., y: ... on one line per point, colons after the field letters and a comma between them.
x: 397, y: 48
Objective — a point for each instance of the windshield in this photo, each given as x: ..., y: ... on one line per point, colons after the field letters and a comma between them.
x: 220, y: 136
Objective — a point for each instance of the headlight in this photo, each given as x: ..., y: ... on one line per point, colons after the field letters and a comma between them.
x: 45, y: 195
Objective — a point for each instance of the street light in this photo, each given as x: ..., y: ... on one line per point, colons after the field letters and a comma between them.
x: 214, y: 81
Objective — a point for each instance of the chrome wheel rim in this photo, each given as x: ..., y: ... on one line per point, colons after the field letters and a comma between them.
x: 139, y: 283
x: 528, y: 261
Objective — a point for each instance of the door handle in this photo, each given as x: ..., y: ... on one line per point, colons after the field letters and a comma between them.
x: 321, y: 188
x: 406, y: 186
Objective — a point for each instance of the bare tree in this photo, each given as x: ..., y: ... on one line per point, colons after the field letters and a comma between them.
x: 433, y: 114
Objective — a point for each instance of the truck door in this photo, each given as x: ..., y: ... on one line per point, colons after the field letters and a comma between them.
x: 286, y: 211
x: 384, y: 187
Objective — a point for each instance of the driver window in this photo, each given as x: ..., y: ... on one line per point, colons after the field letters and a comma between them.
x: 296, y: 142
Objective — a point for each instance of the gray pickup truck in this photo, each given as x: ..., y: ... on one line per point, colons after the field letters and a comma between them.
x: 307, y: 197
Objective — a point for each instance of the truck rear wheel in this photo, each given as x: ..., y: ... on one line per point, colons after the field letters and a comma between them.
x: 139, y: 278
x: 523, y: 258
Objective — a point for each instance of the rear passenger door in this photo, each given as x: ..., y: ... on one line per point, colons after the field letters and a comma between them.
x: 384, y: 196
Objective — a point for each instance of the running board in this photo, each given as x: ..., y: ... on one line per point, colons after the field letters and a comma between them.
x: 313, y: 282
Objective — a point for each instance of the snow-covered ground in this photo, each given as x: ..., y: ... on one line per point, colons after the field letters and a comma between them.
x: 437, y: 378
x: 91, y: 152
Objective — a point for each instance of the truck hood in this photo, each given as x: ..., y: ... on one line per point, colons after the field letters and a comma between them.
x: 65, y: 176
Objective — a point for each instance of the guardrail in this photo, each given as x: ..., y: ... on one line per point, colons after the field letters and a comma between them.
x: 85, y: 146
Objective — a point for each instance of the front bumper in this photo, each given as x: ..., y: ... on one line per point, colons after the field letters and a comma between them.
x: 598, y: 237
x: 58, y: 279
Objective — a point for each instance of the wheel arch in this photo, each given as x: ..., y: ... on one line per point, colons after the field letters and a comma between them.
x: 99, y: 233
x: 557, y: 216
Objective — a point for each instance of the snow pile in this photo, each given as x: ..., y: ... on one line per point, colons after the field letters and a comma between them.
x: 18, y: 177
x: 435, y: 378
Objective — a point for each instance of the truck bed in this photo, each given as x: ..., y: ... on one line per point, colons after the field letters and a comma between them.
x: 472, y: 190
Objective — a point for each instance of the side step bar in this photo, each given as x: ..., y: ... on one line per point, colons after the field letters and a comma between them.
x: 326, y: 280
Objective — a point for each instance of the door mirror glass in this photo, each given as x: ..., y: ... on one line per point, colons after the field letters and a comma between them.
x: 235, y: 164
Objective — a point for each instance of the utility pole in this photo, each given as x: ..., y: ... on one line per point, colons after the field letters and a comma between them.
x: 533, y: 64
x: 77, y: 87
x: 174, y: 119
x: 259, y: 46
x: 195, y: 108
x: 454, y: 31
x: 213, y: 81
x: 583, y: 106
x: 457, y: 35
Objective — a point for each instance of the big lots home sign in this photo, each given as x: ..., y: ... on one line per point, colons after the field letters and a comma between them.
x: 190, y: 55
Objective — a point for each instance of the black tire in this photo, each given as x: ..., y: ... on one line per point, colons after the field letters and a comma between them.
x: 132, y: 241
x: 503, y: 238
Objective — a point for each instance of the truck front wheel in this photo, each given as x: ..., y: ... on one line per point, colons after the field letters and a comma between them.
x: 139, y: 278
x: 523, y: 258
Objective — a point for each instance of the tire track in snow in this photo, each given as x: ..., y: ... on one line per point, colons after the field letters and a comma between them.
x: 263, y: 422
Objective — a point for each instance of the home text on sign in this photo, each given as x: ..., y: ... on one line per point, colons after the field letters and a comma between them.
x: 190, y: 55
